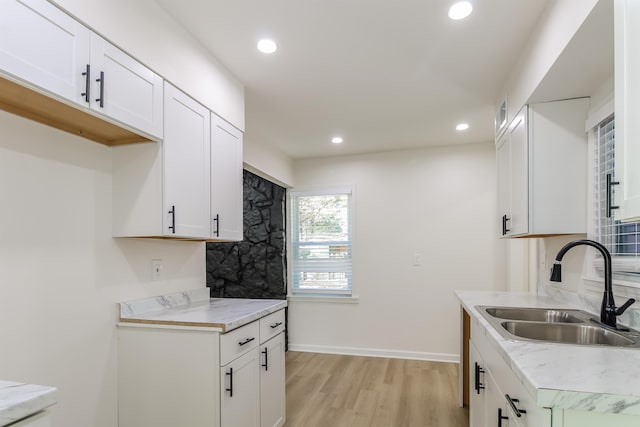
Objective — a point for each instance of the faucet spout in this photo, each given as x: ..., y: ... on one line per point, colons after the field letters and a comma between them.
x: 608, y: 310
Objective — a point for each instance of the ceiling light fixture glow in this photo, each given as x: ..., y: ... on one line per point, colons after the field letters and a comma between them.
x: 462, y: 126
x: 336, y: 140
x: 460, y: 10
x: 267, y: 46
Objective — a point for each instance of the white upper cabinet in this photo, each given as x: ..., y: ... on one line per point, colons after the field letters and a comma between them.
x: 186, y: 166
x: 542, y: 180
x: 44, y: 47
x: 46, y: 50
x: 124, y: 89
x: 627, y: 107
x: 226, y: 181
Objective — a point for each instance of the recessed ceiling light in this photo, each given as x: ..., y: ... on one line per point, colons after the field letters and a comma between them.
x: 267, y: 46
x: 336, y: 140
x: 460, y: 10
x: 462, y: 126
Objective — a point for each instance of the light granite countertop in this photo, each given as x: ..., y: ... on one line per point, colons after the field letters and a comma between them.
x: 196, y: 309
x: 18, y: 400
x: 584, y: 378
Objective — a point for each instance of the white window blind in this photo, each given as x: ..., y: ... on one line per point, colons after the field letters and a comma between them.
x: 621, y: 239
x: 321, y: 242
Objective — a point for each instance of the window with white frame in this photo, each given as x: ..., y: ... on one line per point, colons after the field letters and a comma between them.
x: 622, y: 239
x: 321, y: 241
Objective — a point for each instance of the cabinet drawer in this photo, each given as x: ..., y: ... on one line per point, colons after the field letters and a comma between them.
x: 239, y: 341
x: 271, y: 325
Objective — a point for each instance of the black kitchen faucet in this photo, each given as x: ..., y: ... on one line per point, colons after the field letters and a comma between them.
x: 608, y: 310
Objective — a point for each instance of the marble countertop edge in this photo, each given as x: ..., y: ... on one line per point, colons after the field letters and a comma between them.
x: 591, y: 391
x: 20, y: 400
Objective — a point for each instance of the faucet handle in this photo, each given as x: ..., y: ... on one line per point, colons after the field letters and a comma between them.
x: 624, y: 306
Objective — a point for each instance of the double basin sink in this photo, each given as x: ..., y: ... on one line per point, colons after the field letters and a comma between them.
x: 566, y: 326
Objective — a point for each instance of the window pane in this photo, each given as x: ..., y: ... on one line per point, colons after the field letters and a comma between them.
x: 621, y: 239
x: 321, y: 261
x: 323, y: 218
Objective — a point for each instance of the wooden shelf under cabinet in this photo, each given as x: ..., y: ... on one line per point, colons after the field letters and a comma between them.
x: 27, y: 103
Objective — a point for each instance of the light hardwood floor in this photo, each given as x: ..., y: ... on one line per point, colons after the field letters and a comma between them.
x: 325, y: 390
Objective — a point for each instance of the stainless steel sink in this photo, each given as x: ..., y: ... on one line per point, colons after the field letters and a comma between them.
x: 537, y: 314
x: 567, y: 333
x: 564, y: 326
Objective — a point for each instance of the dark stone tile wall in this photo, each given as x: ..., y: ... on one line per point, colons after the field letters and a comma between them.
x: 255, y: 267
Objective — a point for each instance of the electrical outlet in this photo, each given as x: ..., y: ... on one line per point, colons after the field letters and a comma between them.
x: 156, y: 269
x: 417, y: 260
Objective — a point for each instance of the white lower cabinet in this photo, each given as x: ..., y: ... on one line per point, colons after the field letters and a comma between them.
x: 496, y: 396
x: 503, y: 399
x: 272, y: 382
x: 190, y: 376
x: 476, y: 388
x: 240, y: 391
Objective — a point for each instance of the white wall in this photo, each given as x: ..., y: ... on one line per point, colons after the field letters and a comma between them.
x: 438, y: 202
x: 61, y: 272
x: 148, y: 33
x: 557, y: 25
x: 268, y: 163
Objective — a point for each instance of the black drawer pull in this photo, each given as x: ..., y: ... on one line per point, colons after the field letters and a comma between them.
x: 479, y: 386
x: 87, y: 84
x: 217, y: 221
x: 247, y: 341
x: 610, y: 183
x: 275, y: 325
x: 501, y: 417
x: 172, y: 227
x: 514, y: 408
x: 101, y: 81
x: 230, y: 389
x: 266, y: 358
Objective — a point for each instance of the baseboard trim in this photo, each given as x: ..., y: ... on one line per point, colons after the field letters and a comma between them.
x: 374, y: 352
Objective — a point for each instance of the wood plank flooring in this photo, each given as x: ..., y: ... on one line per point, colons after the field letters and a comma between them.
x: 326, y: 390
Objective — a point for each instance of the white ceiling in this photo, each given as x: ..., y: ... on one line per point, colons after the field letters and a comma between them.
x: 383, y: 74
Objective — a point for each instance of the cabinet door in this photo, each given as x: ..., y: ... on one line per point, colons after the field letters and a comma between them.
x: 495, y: 413
x: 226, y: 180
x: 124, y: 89
x: 627, y: 107
x: 240, y: 391
x: 519, y: 173
x: 272, y: 382
x: 43, y: 46
x: 503, y: 160
x: 185, y: 166
x: 476, y: 387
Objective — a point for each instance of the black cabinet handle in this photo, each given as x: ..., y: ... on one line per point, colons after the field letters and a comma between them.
x: 514, y: 408
x: 479, y: 386
x: 501, y: 417
x: 247, y: 341
x: 87, y: 84
x: 275, y: 325
x: 101, y: 81
x: 216, y: 219
x: 230, y: 389
x: 505, y: 219
x: 266, y: 358
x: 610, y: 183
x: 172, y: 227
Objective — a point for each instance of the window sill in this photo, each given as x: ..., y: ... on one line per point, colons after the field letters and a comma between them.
x: 324, y: 299
x: 596, y: 282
